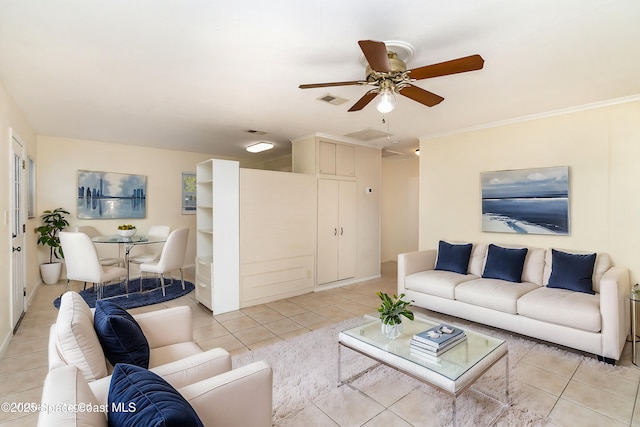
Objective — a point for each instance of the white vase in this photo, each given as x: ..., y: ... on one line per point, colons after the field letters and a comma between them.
x: 391, y: 331
x: 50, y: 272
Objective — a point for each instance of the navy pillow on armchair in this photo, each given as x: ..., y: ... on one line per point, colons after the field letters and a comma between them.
x: 139, y: 397
x: 120, y: 336
x: 504, y: 263
x: 453, y: 257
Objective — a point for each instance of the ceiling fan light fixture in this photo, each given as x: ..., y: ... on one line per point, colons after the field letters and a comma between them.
x: 259, y: 147
x: 387, y: 101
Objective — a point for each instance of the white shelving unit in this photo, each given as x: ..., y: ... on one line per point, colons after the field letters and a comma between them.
x: 218, y: 235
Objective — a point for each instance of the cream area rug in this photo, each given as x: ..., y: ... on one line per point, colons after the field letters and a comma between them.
x: 305, y: 370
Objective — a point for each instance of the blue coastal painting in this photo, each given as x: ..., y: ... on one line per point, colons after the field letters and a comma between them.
x: 528, y: 201
x: 111, y: 195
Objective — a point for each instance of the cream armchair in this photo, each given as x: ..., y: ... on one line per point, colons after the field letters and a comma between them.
x: 173, y: 353
x: 240, y: 397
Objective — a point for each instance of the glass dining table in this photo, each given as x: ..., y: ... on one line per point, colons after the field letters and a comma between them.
x: 128, y: 243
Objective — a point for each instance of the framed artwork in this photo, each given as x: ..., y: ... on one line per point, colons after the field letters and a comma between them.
x: 526, y: 201
x: 104, y: 195
x: 188, y: 193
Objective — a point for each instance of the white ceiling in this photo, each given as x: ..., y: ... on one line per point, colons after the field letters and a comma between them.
x: 195, y: 75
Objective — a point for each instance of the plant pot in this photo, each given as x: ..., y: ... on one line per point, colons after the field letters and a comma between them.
x: 391, y: 331
x: 50, y: 272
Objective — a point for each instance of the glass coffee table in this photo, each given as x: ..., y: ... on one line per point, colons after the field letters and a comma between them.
x: 454, y: 371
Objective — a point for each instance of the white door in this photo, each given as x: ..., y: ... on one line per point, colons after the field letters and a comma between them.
x: 347, y: 229
x: 327, y: 231
x: 336, y: 230
x: 17, y: 233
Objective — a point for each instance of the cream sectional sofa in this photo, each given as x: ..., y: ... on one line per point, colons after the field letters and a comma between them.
x: 596, y: 323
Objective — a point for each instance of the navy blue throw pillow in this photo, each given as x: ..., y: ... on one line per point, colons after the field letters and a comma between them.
x: 139, y: 397
x: 572, y: 271
x: 120, y: 335
x: 504, y: 263
x: 453, y: 257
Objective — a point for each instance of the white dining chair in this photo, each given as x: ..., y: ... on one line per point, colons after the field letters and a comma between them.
x: 151, y: 251
x: 82, y: 262
x: 93, y: 232
x: 171, y: 258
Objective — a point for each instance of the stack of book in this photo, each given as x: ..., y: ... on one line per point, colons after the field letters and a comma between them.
x: 435, y: 341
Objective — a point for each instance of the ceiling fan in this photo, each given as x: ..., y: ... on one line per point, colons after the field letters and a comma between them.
x: 389, y: 74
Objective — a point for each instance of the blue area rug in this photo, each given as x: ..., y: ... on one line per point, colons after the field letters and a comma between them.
x: 151, y: 293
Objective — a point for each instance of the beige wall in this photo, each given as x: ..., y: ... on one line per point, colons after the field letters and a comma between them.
x: 12, y: 120
x: 59, y: 159
x: 399, y: 206
x: 368, y: 172
x: 601, y: 146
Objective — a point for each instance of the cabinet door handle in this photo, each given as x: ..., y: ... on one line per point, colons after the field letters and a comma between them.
x: 341, y: 231
x: 335, y: 231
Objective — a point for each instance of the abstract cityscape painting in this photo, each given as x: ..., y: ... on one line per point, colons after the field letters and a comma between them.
x: 104, y: 195
x: 526, y: 201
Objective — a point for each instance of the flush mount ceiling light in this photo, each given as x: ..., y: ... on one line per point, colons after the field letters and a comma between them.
x: 259, y: 147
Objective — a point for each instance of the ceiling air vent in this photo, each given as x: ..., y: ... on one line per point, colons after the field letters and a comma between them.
x: 333, y: 100
x: 256, y: 132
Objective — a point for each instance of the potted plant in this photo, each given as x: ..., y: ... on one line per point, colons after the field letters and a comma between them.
x: 391, y: 310
x: 53, y: 222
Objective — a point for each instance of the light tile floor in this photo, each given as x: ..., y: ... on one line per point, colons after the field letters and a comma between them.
x: 569, y: 394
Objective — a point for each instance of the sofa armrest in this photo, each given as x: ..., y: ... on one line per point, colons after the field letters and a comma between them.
x: 180, y: 373
x: 614, y: 308
x: 167, y: 326
x: 413, y: 262
x: 240, y: 398
x: 195, y: 368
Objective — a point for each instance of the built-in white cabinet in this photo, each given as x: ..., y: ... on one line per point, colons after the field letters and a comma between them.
x: 218, y: 233
x: 336, y: 256
x: 336, y: 159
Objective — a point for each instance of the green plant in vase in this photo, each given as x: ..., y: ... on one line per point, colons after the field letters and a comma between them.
x: 52, y: 223
x: 391, y: 311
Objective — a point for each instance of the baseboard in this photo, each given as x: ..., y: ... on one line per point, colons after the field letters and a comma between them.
x: 320, y: 288
x: 5, y: 344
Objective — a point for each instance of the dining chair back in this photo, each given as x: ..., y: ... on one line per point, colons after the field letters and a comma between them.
x: 93, y: 232
x: 82, y: 263
x: 151, y: 251
x: 171, y: 258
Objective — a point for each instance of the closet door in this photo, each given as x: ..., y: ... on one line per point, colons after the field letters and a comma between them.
x: 346, y: 229
x: 327, y: 230
x: 336, y: 230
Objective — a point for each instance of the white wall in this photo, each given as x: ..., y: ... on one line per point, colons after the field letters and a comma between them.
x: 59, y: 159
x: 601, y: 148
x: 399, y: 206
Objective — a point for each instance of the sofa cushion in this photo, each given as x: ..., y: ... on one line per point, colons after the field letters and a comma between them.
x: 478, y: 255
x: 453, y: 257
x: 436, y: 282
x: 146, y: 400
x: 495, y: 294
x: 572, y: 271
x: 76, y: 340
x: 504, y: 263
x: 120, y: 335
x: 562, y: 307
x: 66, y: 387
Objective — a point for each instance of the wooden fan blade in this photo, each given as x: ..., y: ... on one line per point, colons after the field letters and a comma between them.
x: 460, y: 65
x: 422, y: 96
x: 355, y: 82
x: 362, y: 102
x: 376, y: 54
